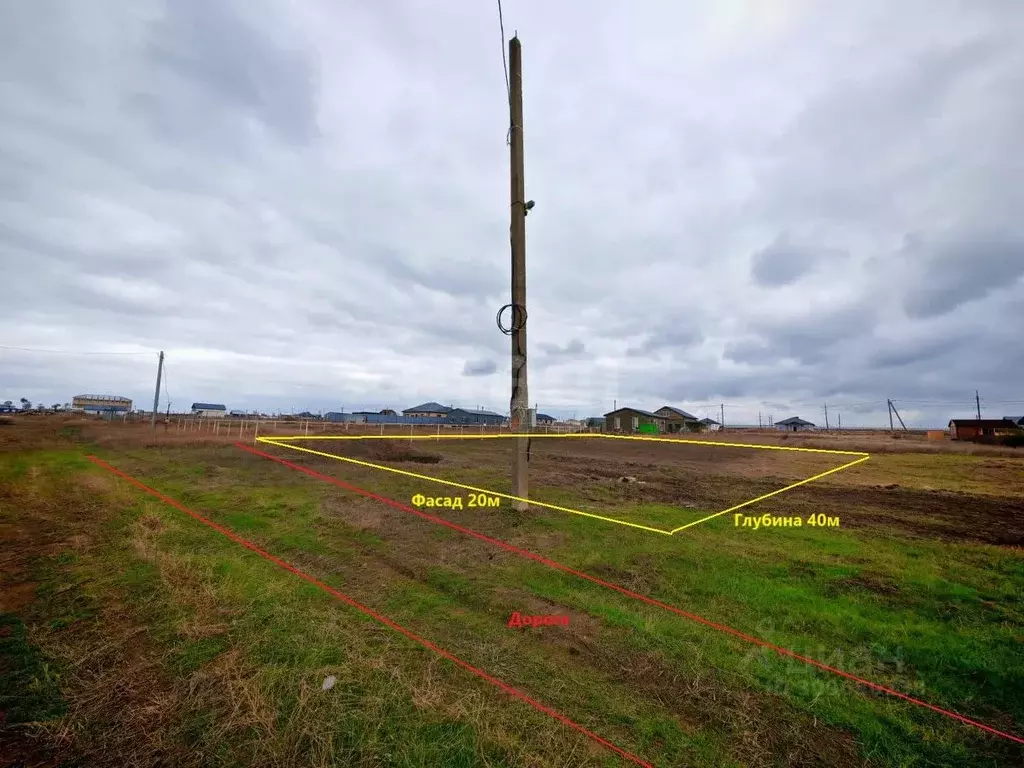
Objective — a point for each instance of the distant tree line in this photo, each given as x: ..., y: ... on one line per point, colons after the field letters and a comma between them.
x: 26, y: 405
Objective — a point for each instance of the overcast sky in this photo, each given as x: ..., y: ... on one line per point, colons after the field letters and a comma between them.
x: 770, y: 204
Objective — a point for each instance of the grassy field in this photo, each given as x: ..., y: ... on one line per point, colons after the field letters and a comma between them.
x: 131, y: 633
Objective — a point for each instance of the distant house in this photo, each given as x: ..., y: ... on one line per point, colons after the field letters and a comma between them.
x: 308, y: 415
x: 470, y: 416
x: 971, y: 429
x: 793, y: 424
x: 632, y: 419
x: 209, y: 410
x: 4, y: 408
x: 1017, y: 421
x: 543, y: 420
x: 708, y: 425
x: 101, y: 403
x: 594, y: 422
x: 338, y: 417
x: 676, y: 420
x: 375, y: 417
x: 427, y: 410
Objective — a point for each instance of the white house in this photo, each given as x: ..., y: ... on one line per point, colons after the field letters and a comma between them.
x: 209, y: 410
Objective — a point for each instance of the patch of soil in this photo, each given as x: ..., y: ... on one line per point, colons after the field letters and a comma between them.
x: 632, y: 580
x: 20, y: 751
x: 15, y: 597
x: 577, y: 638
x: 764, y: 728
x: 385, y: 451
x: 918, y: 513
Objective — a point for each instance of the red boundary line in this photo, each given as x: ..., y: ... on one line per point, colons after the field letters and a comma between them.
x: 373, y: 614
x: 637, y: 596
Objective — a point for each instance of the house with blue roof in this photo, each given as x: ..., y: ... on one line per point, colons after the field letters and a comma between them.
x: 474, y: 416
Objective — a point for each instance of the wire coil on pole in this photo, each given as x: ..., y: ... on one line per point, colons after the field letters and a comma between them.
x: 518, y: 319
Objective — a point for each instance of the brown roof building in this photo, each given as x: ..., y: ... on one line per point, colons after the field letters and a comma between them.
x: 970, y: 429
x: 631, y: 419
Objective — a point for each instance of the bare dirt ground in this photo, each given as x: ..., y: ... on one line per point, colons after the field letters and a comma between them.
x: 955, y: 497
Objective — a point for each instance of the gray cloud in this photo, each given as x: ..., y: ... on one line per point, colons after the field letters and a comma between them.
x: 572, y: 348
x: 222, y: 62
x: 666, y: 334
x: 479, y: 368
x: 782, y: 262
x: 952, y: 273
x: 306, y: 205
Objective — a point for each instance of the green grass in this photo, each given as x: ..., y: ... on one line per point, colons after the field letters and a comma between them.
x: 937, y: 620
x: 29, y: 685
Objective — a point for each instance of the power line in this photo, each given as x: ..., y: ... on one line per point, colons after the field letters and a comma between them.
x: 167, y: 394
x: 504, y: 64
x: 504, y: 60
x: 69, y: 351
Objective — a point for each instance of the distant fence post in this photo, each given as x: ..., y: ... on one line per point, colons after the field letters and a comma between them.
x: 241, y: 424
x: 256, y: 432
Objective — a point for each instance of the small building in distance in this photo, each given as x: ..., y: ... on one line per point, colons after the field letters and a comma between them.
x: 708, y: 425
x: 1017, y: 421
x: 209, y: 410
x: 676, y: 419
x: 594, y: 422
x: 429, y: 410
x: 793, y: 424
x: 469, y: 416
x: 543, y: 420
x: 632, y: 419
x: 101, y: 403
x: 971, y: 429
x: 376, y: 417
x: 339, y: 417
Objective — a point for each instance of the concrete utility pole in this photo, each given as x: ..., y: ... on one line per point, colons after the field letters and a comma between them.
x: 826, y: 417
x: 519, y: 420
x: 977, y: 403
x: 156, y: 395
x: 722, y: 406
